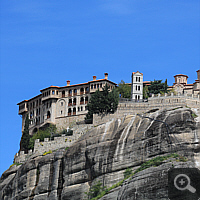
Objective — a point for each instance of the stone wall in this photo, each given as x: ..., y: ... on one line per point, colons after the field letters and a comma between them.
x: 68, y: 122
x: 155, y: 102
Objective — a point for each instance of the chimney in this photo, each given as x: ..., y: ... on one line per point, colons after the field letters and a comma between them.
x: 94, y: 78
x: 106, y: 75
x: 68, y: 83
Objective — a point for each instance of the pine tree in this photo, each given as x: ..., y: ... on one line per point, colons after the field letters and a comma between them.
x: 24, y: 143
x: 103, y: 102
x: 157, y: 87
x: 124, y: 89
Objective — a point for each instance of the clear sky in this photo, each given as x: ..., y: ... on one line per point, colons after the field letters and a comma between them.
x: 47, y: 42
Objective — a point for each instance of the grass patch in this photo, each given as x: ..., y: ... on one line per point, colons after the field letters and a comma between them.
x: 194, y: 115
x: 150, y: 163
x: 48, y: 152
x: 17, y: 164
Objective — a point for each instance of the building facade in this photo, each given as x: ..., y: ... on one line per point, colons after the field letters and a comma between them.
x: 137, y: 86
x: 56, y: 104
x: 182, y: 87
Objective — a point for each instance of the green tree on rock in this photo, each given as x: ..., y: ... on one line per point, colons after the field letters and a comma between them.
x: 158, y: 87
x: 124, y: 90
x: 24, y: 143
x: 103, y: 102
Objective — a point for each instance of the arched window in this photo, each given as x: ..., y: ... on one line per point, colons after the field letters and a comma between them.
x: 70, y: 102
x: 136, y: 87
x: 87, y: 89
x: 82, y: 91
x: 70, y: 92
x: 94, y: 86
x: 74, y: 101
x: 78, y: 109
x: 69, y: 112
x: 75, y: 91
x: 74, y: 111
x: 48, y: 114
x: 86, y: 100
x: 91, y: 86
x: 138, y: 79
x: 81, y: 108
x: 82, y: 100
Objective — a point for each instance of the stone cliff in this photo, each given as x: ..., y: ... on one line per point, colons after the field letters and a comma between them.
x: 104, y: 153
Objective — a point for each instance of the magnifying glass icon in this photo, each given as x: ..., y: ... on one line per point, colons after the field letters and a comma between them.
x: 182, y: 179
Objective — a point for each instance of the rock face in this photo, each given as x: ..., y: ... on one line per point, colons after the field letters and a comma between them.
x: 104, y: 154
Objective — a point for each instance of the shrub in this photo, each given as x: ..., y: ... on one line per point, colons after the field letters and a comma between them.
x: 95, y: 190
x: 41, y: 134
x: 17, y: 164
x: 127, y: 172
x: 66, y: 132
x: 48, y: 152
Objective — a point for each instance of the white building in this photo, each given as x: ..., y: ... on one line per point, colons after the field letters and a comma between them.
x: 137, y: 86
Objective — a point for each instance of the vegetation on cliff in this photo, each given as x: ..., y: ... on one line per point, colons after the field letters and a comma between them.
x: 24, y: 143
x: 124, y: 90
x: 154, y: 162
x: 103, y: 102
x: 157, y: 86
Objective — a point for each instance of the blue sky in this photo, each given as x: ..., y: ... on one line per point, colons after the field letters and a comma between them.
x: 47, y: 42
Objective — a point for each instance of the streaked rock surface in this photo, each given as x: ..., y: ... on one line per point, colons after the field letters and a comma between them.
x: 104, y: 154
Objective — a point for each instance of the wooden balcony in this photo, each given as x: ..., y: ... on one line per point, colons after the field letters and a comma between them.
x: 82, y: 102
x: 69, y: 104
x: 74, y: 113
x: 69, y: 114
x: 81, y: 93
x: 74, y: 103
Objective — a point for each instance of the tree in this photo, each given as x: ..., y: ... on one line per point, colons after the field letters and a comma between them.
x: 158, y: 87
x: 24, y: 143
x: 145, y: 92
x: 103, y: 102
x: 41, y: 134
x: 124, y: 90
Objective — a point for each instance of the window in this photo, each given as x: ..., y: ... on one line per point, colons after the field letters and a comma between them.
x: 61, y: 103
x: 53, y: 92
x: 138, y: 79
x: 91, y: 86
x: 138, y: 87
x: 75, y: 91
x: 63, y: 93
x: 100, y: 85
x: 48, y: 114
x: 97, y: 85
x: 94, y: 86
x: 78, y: 109
x: 61, y: 112
x: 81, y: 108
x: 57, y: 92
